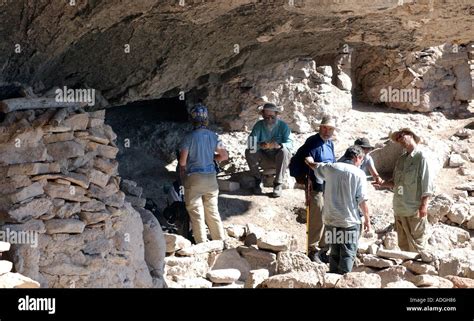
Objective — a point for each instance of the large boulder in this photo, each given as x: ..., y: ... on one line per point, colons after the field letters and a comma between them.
x: 359, y: 280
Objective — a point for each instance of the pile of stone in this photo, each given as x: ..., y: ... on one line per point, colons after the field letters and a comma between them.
x: 10, y: 279
x: 250, y: 257
x: 59, y: 182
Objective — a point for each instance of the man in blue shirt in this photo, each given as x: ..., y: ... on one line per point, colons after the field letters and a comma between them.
x: 318, y: 148
x: 198, y: 151
x: 269, y: 141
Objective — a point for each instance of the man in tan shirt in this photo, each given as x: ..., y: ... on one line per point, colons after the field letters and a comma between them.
x: 412, y: 185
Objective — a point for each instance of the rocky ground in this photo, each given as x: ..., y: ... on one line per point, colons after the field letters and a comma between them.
x: 280, y: 238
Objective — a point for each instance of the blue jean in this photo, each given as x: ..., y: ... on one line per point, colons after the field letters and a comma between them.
x: 343, y: 244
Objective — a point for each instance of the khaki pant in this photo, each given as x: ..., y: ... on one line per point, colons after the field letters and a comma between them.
x: 200, y: 193
x: 279, y: 159
x: 316, y: 225
x: 411, y: 231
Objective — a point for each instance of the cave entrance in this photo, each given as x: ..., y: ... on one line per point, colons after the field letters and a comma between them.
x: 156, y: 110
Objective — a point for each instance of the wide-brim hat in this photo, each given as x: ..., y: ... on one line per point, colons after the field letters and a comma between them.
x: 270, y: 107
x: 328, y: 121
x: 363, y: 142
x: 393, y: 136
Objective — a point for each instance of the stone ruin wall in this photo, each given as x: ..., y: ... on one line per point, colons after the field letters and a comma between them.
x: 59, y: 182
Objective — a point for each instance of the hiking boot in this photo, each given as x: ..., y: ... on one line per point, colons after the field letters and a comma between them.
x: 258, y: 187
x: 277, y: 190
x: 314, y: 257
x: 323, y: 256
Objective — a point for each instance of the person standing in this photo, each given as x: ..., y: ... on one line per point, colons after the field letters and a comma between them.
x: 318, y: 148
x: 198, y: 151
x: 412, y: 185
x: 270, y: 140
x: 345, y: 193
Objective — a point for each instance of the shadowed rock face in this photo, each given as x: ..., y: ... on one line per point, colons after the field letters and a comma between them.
x: 175, y: 48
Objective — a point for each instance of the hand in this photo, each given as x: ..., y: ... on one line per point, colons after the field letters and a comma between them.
x: 378, y: 185
x: 367, y: 225
x: 422, y: 211
x: 274, y: 145
x: 379, y: 180
x: 312, y: 165
x: 264, y: 145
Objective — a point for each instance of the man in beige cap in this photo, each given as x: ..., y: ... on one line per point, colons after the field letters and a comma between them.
x: 318, y: 148
x: 412, y: 184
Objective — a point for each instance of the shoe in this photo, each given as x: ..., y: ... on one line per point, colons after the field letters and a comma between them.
x: 258, y: 187
x: 314, y: 257
x: 323, y: 256
x: 277, y: 190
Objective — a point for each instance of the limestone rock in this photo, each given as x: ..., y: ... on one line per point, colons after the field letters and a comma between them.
x: 373, y: 261
x: 455, y: 160
x: 97, y: 177
x: 5, y: 266
x: 71, y: 193
x: 310, y: 279
x: 420, y: 268
x: 394, y: 274
x: 154, y: 242
x: 259, y: 259
x: 4, y: 246
x: 33, y: 169
x: 400, y: 285
x: 77, y: 121
x: 390, y: 241
x: 439, y: 207
x: 131, y: 188
x: 460, y: 282
x: 359, y: 280
x: 236, y: 231
x: 21, y: 213
x: 185, y: 267
x: 331, y: 279
x: 116, y: 200
x: 65, y: 150
x: 275, y: 241
x: 135, y: 201
x: 425, y: 280
x: 90, y: 218
x: 195, y: 283
x: 232, y: 259
x: 71, y: 226
x: 226, y: 276
x: 22, y: 194
x: 93, y: 206
x: 397, y: 254
x: 9, y: 185
x: 293, y: 261
x: 18, y: 281
x: 204, y: 247
x: 10, y: 155
x: 59, y: 137
x: 256, y: 277
x: 175, y: 242
x: 450, y: 266
x: 459, y: 213
x: 444, y: 237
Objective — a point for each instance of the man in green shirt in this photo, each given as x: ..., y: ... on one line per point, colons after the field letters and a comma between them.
x: 269, y: 141
x: 412, y: 185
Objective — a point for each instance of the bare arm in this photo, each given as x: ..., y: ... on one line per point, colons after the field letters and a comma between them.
x: 365, y: 210
x: 423, y: 210
x: 183, y: 158
x: 221, y: 154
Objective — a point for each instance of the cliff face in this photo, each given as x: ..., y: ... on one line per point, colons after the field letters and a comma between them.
x: 135, y: 50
